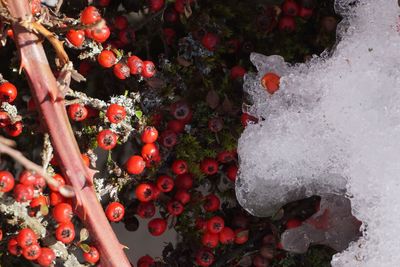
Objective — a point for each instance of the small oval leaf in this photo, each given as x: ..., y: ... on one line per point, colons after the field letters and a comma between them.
x: 83, y: 235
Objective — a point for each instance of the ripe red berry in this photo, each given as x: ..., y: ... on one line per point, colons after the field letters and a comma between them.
x: 107, y: 139
x: 270, y: 81
x: 176, y: 126
x: 14, y: 130
x: 201, y: 224
x: 293, y: 223
x: 23, y: 193
x: 8, y: 92
x: 99, y: 34
x: 150, y: 151
x: 4, y: 119
x: 225, y: 156
x: 36, y: 205
x: 165, y: 183
x: 92, y: 256
x: 106, y: 59
x: 182, y: 196
x: 215, y: 125
x: 148, y: 69
x: 56, y: 198
x: 115, y: 113
x: 46, y: 258
x: 145, y: 261
x: 179, y: 166
x: 62, y: 212
x: 209, y: 166
x: 157, y: 226
x: 26, y: 177
x: 287, y: 23
x: 76, y: 37
x: 77, y: 112
x: 90, y: 15
x: 13, y: 247
x: 26, y: 237
x: 7, y: 181
x: 146, y: 210
x: 204, y: 257
x: 290, y: 8
x: 126, y: 37
x: 212, y: 203
x: 210, y: 240
x: 32, y: 252
x: 149, y: 135
x: 210, y: 41
x: 104, y: 3
x: 65, y: 232
x: 120, y: 23
x: 115, y: 211
x: 215, y: 224
x: 135, y: 165
x: 180, y: 5
x: 144, y: 192
x: 155, y: 5
x: 231, y: 172
x: 184, y: 181
x: 241, y: 236
x: 181, y: 111
x: 59, y: 179
x: 305, y: 13
x: 226, y: 236
x: 156, y: 192
x: 237, y: 72
x: 246, y: 118
x: 170, y: 15
x: 121, y: 71
x: 175, y: 208
x: 168, y: 138
x: 135, y: 65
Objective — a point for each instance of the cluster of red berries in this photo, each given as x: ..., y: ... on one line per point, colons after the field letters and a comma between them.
x: 125, y: 67
x: 8, y: 93
x: 95, y: 28
x: 290, y: 10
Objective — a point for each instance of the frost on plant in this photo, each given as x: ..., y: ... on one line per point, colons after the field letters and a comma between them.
x: 333, y: 128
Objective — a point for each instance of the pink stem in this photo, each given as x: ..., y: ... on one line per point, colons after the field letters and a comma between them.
x: 55, y: 120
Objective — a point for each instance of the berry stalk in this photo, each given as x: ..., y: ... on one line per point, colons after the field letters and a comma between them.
x: 55, y: 120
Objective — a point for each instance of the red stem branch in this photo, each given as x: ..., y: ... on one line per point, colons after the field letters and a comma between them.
x: 54, y: 118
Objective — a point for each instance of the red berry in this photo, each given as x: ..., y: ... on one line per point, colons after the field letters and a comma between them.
x: 168, y: 138
x: 210, y: 41
x: 7, y: 181
x: 104, y: 3
x: 26, y: 237
x: 293, y: 223
x: 287, y: 23
x: 92, y: 256
x: 157, y: 226
x: 85, y: 159
x: 26, y: 177
x: 76, y: 37
x: 145, y: 261
x: 23, y: 193
x: 106, y: 59
x: 210, y: 240
x: 270, y: 81
x: 215, y: 125
x: 212, y: 203
x: 40, y: 183
x: 14, y: 130
x: 100, y: 34
x: 237, y: 72
x: 56, y: 198
x: 179, y: 166
x: 247, y: 118
x: 90, y: 15
x: 184, y: 181
x: 59, y: 179
x: 231, y: 172
x: 144, y: 192
x: 156, y: 192
x: 13, y: 247
x: 225, y: 156
x: 169, y: 35
x: 150, y: 151
x: 146, y: 210
x: 175, y: 208
x: 182, y: 196
x: 290, y: 8
x: 107, y: 139
x: 135, y: 165
x: 126, y: 37
x: 115, y: 113
x: 201, y: 224
x: 155, y: 5
x: 148, y: 69
x: 36, y: 205
x: 170, y: 15
x: 305, y: 13
x: 121, y: 71
x: 165, y: 183
x: 204, y: 258
x: 77, y: 112
x: 149, y: 135
x: 84, y: 68
x: 241, y: 236
x: 62, y: 212
x: 46, y: 258
x: 215, y: 224
x: 180, y: 5
x: 8, y: 92
x: 32, y: 252
x: 115, y: 211
x: 135, y: 65
x: 226, y: 236
x: 181, y: 111
x: 4, y: 119
x: 65, y: 232
x: 209, y: 166
x: 176, y: 126
x: 120, y: 23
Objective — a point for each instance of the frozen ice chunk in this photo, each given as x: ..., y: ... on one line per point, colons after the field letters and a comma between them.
x: 333, y: 127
